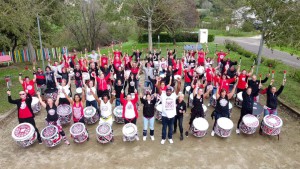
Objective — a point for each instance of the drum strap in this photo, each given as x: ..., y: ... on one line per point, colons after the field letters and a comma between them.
x: 106, y: 118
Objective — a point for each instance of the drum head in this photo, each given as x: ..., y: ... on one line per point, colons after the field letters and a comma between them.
x: 77, y: 128
x: 103, y: 129
x: 177, y: 76
x: 225, y: 123
x: 200, y: 70
x: 129, y: 129
x: 49, y: 132
x: 22, y: 131
x: 250, y: 120
x: 85, y: 75
x: 188, y: 88
x: 35, y: 100
x: 159, y: 107
x: 64, y: 110
x: 200, y: 124
x: 204, y: 108
x: 240, y: 96
x: 79, y: 90
x: 118, y: 111
x: 89, y: 111
x: 273, y: 121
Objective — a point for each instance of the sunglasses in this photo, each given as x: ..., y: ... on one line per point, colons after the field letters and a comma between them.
x: 22, y: 94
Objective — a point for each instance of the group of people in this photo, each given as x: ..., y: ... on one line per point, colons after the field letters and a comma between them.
x: 116, y: 78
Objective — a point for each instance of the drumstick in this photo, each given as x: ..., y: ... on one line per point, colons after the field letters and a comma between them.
x: 273, y: 73
x: 240, y: 60
x: 284, y: 74
x: 260, y: 79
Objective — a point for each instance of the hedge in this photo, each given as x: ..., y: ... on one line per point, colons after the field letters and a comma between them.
x: 181, y: 37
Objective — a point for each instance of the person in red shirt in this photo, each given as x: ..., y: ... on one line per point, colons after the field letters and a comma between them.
x: 103, y: 60
x: 83, y: 64
x: 28, y: 84
x: 178, y: 66
x: 243, y: 76
x: 221, y: 55
x: 201, y: 56
x: 25, y: 113
x: 72, y: 59
x: 224, y: 83
x: 127, y: 61
x: 117, y: 63
x: 102, y: 86
x: 188, y: 76
x: 117, y: 53
x: 209, y: 74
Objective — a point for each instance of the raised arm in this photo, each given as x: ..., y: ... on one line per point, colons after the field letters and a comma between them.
x: 10, y: 100
x: 68, y: 98
x: 41, y: 100
x: 20, y: 78
x: 232, y: 91
x: 57, y: 99
x: 178, y: 86
x: 95, y: 96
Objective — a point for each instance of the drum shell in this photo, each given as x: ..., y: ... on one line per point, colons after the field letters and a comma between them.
x: 117, y: 116
x: 35, y: 105
x: 269, y: 130
x: 222, y: 132
x: 158, y: 112
x: 91, y: 119
x: 131, y: 137
x: 28, y: 140
x: 199, y: 132
x: 64, y: 113
x: 104, y: 138
x: 248, y: 129
x: 53, y: 140
x: 79, y: 137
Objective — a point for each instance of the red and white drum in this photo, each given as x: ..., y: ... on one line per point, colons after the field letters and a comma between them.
x: 24, y: 134
x: 64, y: 112
x: 249, y: 124
x: 129, y: 131
x: 52, y: 95
x: 118, y: 114
x: 239, y: 99
x: 50, y: 136
x: 158, y: 112
x: 223, y: 127
x: 199, y: 127
x: 85, y: 76
x: 271, y: 125
x: 200, y: 70
x: 35, y: 105
x: 79, y: 132
x: 90, y: 115
x: 104, y: 133
x: 79, y: 90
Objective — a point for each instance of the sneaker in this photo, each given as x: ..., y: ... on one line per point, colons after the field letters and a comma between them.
x: 152, y: 138
x: 162, y: 141
x: 171, y: 141
x: 40, y: 142
x: 212, y: 133
x: 187, y: 133
x: 67, y: 142
x: 144, y: 138
x: 237, y: 131
x: 137, y: 138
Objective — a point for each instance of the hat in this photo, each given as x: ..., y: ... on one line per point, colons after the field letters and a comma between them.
x: 169, y: 88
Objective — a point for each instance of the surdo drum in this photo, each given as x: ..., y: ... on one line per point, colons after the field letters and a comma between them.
x: 79, y: 90
x: 79, y: 132
x: 52, y: 95
x: 129, y: 131
x: 249, y: 124
x: 90, y: 115
x: 118, y: 114
x: 200, y: 70
x: 24, y: 134
x: 51, y: 136
x: 199, y: 127
x: 104, y: 133
x: 158, y: 112
x: 85, y: 76
x: 223, y: 127
x: 35, y: 105
x: 64, y: 112
x: 271, y: 125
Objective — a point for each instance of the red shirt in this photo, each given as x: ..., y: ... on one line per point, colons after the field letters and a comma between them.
x: 82, y: 64
x: 216, y: 79
x: 29, y: 87
x: 242, y: 81
x: 77, y: 112
x: 72, y: 58
x: 117, y: 63
x: 201, y: 58
x: 179, y: 67
x: 24, y: 111
x: 163, y: 88
x: 104, y: 61
x: 134, y: 70
x: 209, y: 74
x: 224, y: 84
x: 186, y: 78
x: 102, y: 85
x: 193, y: 54
x: 221, y: 56
x: 117, y: 54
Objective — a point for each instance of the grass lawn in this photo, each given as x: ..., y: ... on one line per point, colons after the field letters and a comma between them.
x: 232, y: 32
x: 288, y: 50
x: 289, y: 94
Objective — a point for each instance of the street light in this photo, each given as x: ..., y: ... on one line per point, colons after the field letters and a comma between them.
x: 38, y: 22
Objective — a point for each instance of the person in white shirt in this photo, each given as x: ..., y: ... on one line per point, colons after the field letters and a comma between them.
x: 94, y: 55
x: 168, y: 100
x: 63, y: 87
x: 90, y: 100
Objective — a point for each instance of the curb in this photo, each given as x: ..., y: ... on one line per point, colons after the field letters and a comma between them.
x: 294, y: 111
x: 8, y: 114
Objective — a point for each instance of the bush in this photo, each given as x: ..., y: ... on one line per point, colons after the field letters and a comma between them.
x: 296, y: 75
x: 247, y: 26
x: 271, y: 63
x: 180, y: 37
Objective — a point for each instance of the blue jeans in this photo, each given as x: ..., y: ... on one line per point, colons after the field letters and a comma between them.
x: 92, y: 103
x: 167, y: 122
x: 148, y: 122
x: 212, y: 93
x: 185, y: 85
x: 268, y: 112
x: 118, y: 103
x: 147, y: 83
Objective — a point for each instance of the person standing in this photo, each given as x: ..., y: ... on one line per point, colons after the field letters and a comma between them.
x: 180, y: 110
x: 148, y: 113
x: 25, y: 113
x: 28, y: 84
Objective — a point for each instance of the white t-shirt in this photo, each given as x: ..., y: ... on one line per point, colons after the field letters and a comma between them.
x: 168, y: 105
x: 105, y: 108
x: 162, y: 65
x: 89, y: 96
x: 66, y: 89
x: 129, y: 111
x: 94, y: 56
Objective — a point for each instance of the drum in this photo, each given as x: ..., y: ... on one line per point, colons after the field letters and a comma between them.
x: 191, y: 100
x: 118, y: 114
x: 249, y: 124
x: 104, y: 133
x: 85, y: 76
x: 187, y: 89
x: 71, y: 73
x: 177, y: 76
x: 239, y: 99
x: 271, y: 125
x: 51, y: 136
x: 200, y: 70
x: 162, y: 75
x: 79, y: 132
x: 158, y: 112
x: 223, y: 127
x: 127, y: 73
x: 24, y: 134
x: 64, y: 112
x: 257, y: 109
x: 79, y: 90
x: 35, y: 105
x: 199, y: 127
x: 214, y: 100
x: 52, y: 95
x: 129, y: 131
x: 90, y: 115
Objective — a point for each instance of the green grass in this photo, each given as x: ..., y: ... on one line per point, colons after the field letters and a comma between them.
x: 290, y: 93
x: 288, y: 50
x: 232, y: 32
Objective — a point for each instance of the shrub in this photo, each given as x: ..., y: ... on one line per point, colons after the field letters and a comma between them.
x: 247, y: 26
x: 296, y: 75
x: 271, y: 63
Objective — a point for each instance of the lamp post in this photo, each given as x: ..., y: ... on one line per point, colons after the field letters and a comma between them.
x: 38, y: 22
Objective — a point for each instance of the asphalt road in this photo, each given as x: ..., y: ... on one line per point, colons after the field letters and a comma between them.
x: 252, y: 44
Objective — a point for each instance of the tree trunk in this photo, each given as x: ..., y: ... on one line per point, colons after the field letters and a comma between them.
x: 174, y: 40
x: 15, y: 43
x: 31, y: 49
x: 261, y: 45
x: 150, y: 44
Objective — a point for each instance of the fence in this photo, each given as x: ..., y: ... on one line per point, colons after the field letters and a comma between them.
x: 24, y: 55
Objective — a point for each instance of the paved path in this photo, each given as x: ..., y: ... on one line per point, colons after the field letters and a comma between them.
x: 252, y: 44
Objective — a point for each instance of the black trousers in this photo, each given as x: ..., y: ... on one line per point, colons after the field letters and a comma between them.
x: 130, y: 121
x: 32, y: 122
x: 243, y: 113
x: 179, y: 119
x: 196, y: 113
